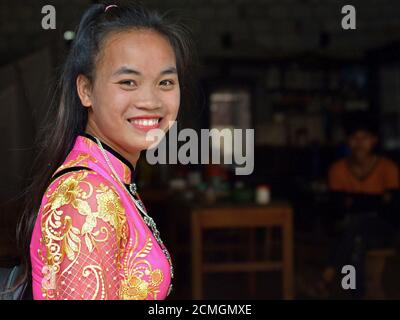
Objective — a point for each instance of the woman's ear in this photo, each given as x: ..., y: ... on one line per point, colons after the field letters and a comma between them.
x: 84, y: 88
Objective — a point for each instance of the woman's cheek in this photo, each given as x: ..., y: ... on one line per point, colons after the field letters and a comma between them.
x: 119, y: 105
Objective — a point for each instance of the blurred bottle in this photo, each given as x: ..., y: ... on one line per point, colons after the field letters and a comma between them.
x: 263, y: 194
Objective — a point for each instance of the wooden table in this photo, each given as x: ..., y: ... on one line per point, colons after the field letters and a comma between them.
x: 222, y: 217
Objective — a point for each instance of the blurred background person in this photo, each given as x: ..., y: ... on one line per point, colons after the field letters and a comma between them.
x: 362, y: 187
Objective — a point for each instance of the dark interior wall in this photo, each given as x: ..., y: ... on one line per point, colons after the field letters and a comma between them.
x: 225, y: 28
x: 20, y: 25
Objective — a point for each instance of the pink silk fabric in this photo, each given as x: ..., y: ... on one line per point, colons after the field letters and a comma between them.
x: 90, y: 241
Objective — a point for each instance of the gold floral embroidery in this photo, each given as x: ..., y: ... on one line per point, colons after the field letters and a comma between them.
x: 62, y: 239
x: 98, y: 273
x: 81, y: 160
x: 108, y: 201
x: 139, y: 279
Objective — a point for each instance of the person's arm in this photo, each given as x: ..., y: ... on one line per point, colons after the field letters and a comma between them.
x: 391, y: 178
x: 83, y: 225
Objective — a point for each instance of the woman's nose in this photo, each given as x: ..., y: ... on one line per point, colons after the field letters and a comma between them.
x: 148, y: 99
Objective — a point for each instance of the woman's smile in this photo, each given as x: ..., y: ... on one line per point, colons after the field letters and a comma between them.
x: 145, y: 123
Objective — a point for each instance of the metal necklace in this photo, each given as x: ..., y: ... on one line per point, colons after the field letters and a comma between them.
x: 139, y: 205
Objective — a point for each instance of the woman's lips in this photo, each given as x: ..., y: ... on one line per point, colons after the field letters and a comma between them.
x: 145, y: 123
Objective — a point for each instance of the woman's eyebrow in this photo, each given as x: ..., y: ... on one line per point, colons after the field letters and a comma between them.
x: 170, y: 70
x: 127, y: 70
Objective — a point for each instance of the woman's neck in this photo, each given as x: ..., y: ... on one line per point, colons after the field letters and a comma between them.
x: 131, y: 157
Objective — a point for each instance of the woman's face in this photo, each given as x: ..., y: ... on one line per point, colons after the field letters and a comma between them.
x: 135, y: 89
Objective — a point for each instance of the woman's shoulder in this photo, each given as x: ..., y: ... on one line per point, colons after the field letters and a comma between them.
x: 83, y: 191
x: 388, y: 164
x: 77, y: 159
x: 85, y: 200
x: 72, y: 177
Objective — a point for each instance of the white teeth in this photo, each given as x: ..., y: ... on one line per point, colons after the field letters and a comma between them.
x: 145, y: 122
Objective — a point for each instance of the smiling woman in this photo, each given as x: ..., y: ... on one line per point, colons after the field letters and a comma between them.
x: 86, y: 234
x: 136, y: 88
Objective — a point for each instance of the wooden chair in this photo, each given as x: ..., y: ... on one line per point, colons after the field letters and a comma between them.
x: 279, y: 216
x: 375, y: 264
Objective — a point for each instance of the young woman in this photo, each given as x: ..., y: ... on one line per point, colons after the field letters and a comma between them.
x: 87, y: 232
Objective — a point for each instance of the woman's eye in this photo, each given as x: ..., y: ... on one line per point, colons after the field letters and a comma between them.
x: 128, y: 83
x: 167, y: 83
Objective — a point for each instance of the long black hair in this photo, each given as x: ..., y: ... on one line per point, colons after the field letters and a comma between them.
x: 68, y: 118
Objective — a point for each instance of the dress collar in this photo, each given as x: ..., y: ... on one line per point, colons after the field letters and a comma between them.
x: 122, y: 166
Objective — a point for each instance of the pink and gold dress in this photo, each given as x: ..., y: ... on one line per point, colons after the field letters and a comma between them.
x: 90, y: 241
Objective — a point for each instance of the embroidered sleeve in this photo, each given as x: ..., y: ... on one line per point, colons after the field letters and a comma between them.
x: 84, y: 230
